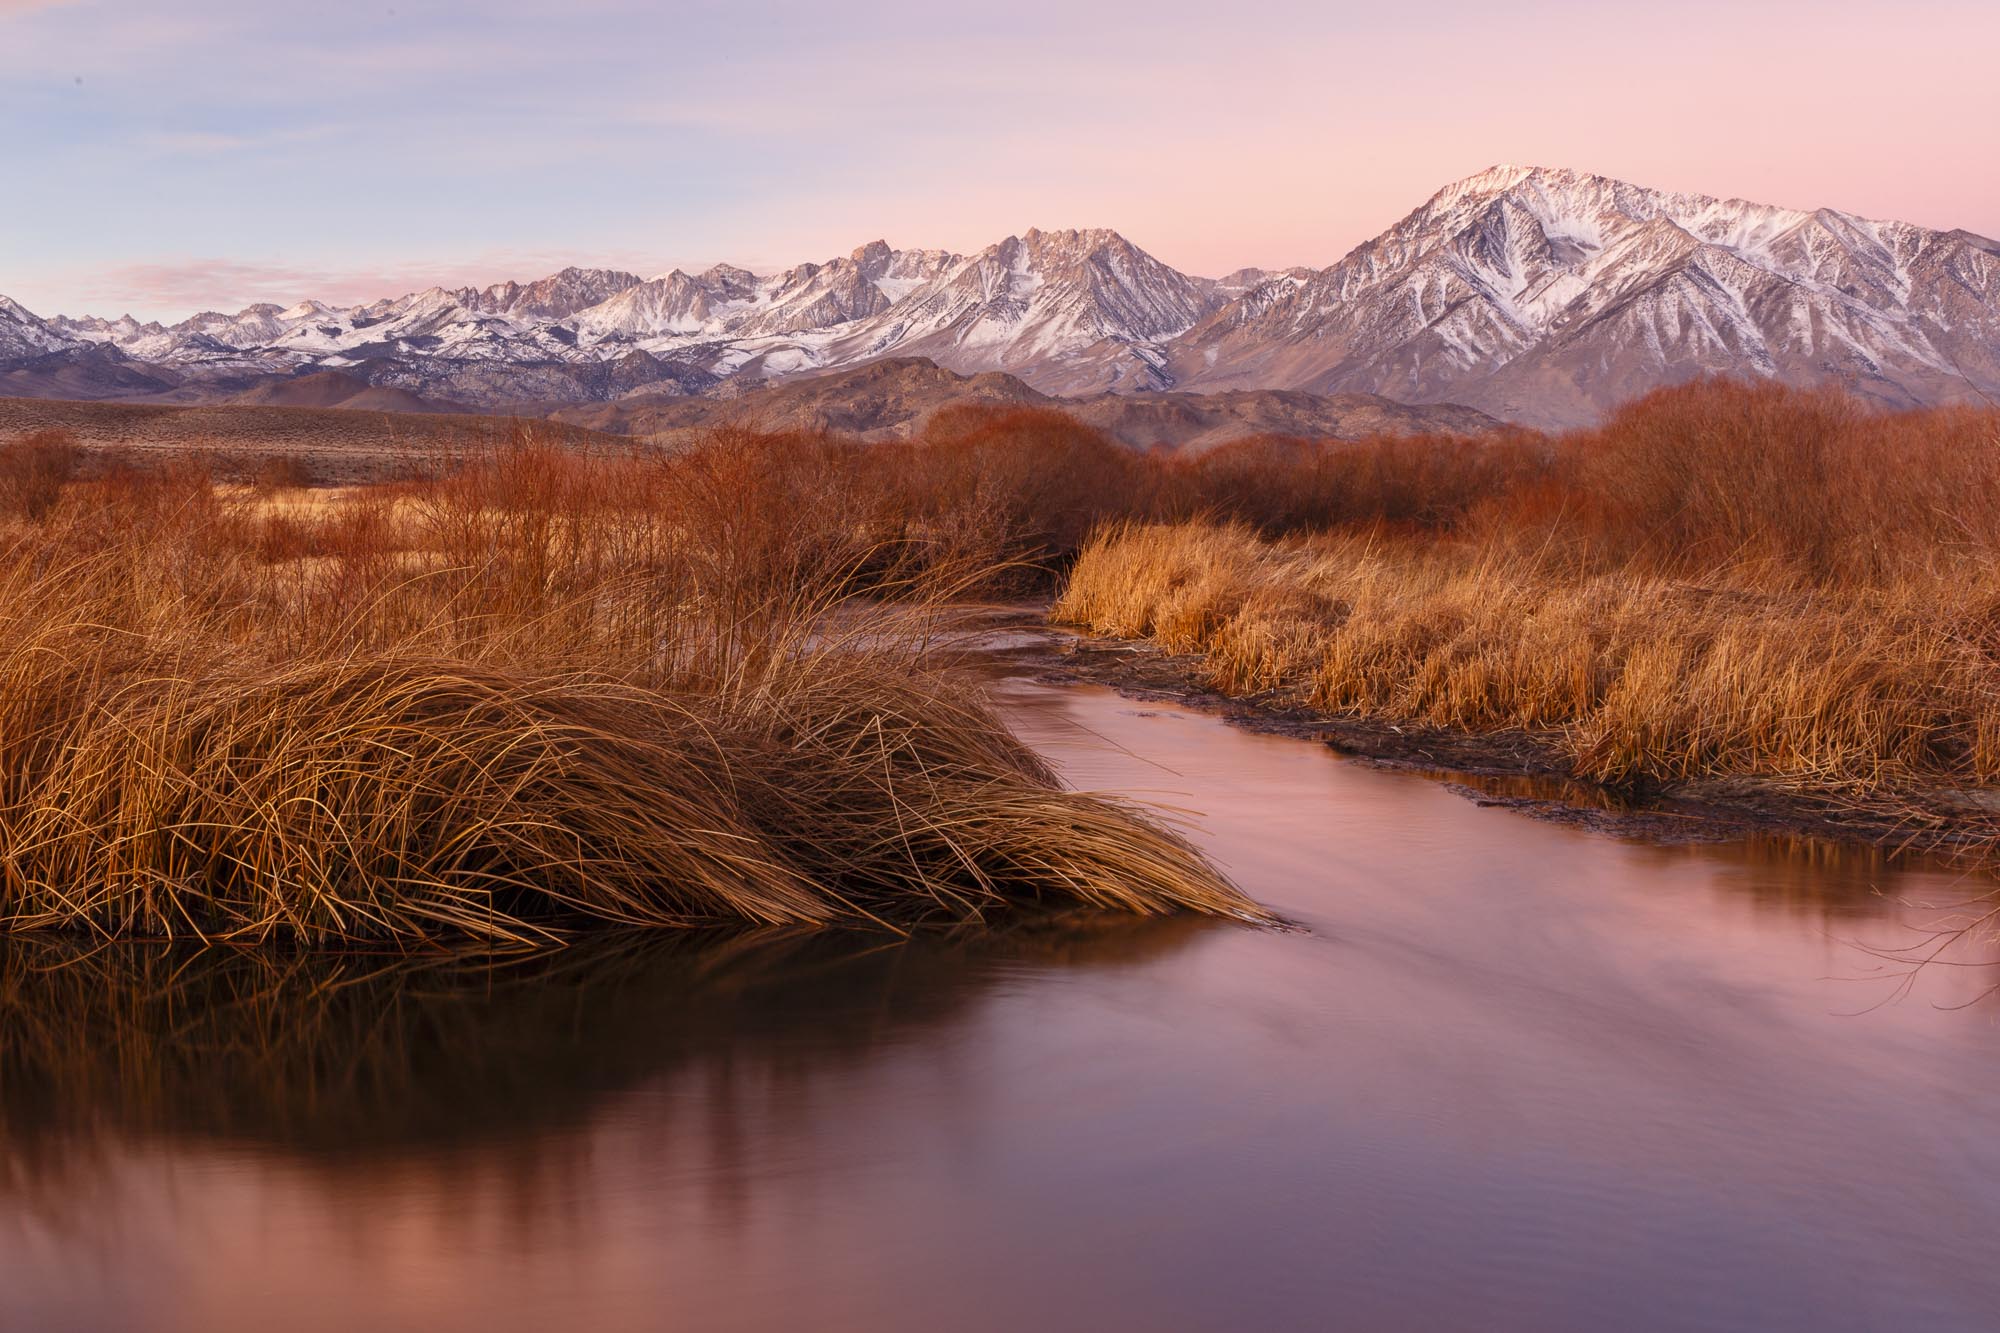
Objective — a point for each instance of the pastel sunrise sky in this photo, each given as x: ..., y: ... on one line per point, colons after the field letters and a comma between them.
x: 161, y: 158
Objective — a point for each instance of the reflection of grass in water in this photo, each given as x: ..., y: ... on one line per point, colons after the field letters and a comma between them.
x: 1802, y: 873
x: 348, y: 1057
x: 1817, y: 878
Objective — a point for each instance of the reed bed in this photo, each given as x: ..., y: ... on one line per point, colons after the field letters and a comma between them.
x: 534, y: 695
x: 1638, y: 678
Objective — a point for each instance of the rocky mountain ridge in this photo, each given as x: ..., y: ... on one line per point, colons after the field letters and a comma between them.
x: 1539, y: 295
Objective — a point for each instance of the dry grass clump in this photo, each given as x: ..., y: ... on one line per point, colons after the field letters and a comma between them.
x: 538, y: 693
x: 1723, y: 581
x: 1647, y: 679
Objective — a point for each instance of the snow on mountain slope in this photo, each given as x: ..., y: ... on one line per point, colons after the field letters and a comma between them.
x: 96, y: 330
x: 672, y: 305
x: 23, y: 334
x: 821, y: 296
x: 434, y: 323
x: 1539, y: 294
x: 558, y: 296
x: 1065, y: 310
x: 678, y: 309
x: 1549, y: 295
x: 206, y: 337
x: 253, y: 326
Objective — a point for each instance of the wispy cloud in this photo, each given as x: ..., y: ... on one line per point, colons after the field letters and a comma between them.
x: 321, y: 146
x: 190, y: 284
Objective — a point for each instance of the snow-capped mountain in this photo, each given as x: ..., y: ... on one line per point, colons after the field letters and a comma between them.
x: 677, y: 310
x: 558, y: 296
x: 1537, y: 294
x: 208, y: 337
x: 253, y: 326
x: 24, y: 334
x: 873, y: 279
x: 1068, y: 310
x: 674, y: 305
x: 1548, y: 295
x: 151, y: 342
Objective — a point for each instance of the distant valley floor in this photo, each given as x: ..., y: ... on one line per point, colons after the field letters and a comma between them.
x: 348, y: 431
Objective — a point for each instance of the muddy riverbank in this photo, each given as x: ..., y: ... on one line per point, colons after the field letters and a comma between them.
x: 1516, y: 769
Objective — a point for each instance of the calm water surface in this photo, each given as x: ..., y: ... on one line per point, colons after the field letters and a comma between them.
x: 1507, y: 1076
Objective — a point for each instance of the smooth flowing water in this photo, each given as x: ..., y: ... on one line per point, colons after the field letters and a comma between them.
x: 1506, y: 1075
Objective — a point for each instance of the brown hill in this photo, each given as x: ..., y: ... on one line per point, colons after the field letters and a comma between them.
x: 892, y: 399
x: 334, y: 388
x: 86, y: 373
x: 1203, y: 420
x: 882, y: 400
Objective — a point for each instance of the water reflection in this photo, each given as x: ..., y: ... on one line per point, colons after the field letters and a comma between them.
x: 337, y: 1058
x: 1274, y: 808
x: 1514, y: 1075
x: 1814, y: 876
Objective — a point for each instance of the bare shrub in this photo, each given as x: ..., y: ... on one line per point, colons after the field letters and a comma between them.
x: 34, y: 469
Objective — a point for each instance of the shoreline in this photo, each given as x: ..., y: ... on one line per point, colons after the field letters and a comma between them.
x: 1511, y: 769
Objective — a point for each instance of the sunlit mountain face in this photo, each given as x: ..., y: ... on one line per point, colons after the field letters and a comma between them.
x: 1538, y: 295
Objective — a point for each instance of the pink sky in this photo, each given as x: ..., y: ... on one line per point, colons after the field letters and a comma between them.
x: 218, y: 151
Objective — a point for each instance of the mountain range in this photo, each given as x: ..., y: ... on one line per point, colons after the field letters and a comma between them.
x: 1537, y: 295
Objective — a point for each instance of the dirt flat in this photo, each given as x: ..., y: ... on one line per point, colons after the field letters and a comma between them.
x: 333, y: 446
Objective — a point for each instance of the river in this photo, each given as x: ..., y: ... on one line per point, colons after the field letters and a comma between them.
x: 1504, y: 1074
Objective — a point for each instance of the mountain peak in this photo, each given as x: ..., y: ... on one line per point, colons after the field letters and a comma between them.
x: 728, y: 275
x: 24, y: 334
x: 1549, y: 294
x: 1542, y: 293
x: 1499, y: 176
x: 557, y: 296
x: 1567, y: 189
x: 1084, y: 239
